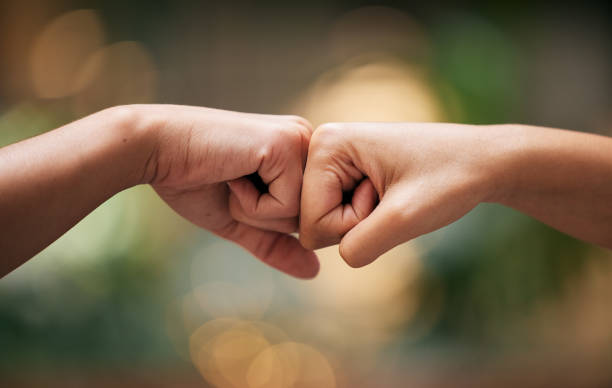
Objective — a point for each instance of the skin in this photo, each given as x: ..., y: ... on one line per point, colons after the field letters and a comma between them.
x: 409, y: 179
x: 406, y: 179
x: 194, y: 158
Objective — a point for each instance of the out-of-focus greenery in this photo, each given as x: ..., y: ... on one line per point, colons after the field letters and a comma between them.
x: 130, y: 284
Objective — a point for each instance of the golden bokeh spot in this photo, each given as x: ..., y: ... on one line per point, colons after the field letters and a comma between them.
x: 234, y: 351
x: 291, y: 364
x: 61, y: 49
x: 276, y: 366
x: 371, y: 89
x: 224, y: 349
x: 122, y: 73
x: 200, y: 349
x: 373, y: 301
x: 378, y: 300
x: 380, y: 282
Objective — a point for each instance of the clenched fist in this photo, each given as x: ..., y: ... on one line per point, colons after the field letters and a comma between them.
x: 372, y: 186
x: 369, y: 186
x: 197, y: 159
x: 201, y: 165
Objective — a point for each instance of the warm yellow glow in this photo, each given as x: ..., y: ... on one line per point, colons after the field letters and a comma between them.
x: 200, y: 349
x: 233, y: 352
x: 291, y: 364
x: 341, y: 286
x: 122, y: 73
x: 362, y: 307
x: 224, y: 349
x: 371, y: 301
x: 371, y: 89
x: 276, y: 366
x: 61, y: 49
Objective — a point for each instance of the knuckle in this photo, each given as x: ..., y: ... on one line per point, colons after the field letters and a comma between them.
x: 330, y: 128
x: 399, y: 212
x: 327, y: 135
x: 286, y: 136
x: 299, y: 120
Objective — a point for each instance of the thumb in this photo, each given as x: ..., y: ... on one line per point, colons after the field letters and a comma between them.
x: 279, y: 250
x: 386, y: 227
x: 334, y: 217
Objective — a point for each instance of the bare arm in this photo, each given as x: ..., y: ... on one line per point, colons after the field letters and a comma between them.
x: 562, y: 178
x: 428, y: 175
x: 49, y: 182
x: 188, y: 154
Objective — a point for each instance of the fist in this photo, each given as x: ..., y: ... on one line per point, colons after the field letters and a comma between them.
x: 204, y: 167
x: 372, y: 186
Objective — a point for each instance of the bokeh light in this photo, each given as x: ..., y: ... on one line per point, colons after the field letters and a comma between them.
x: 291, y: 364
x: 374, y: 301
x: 136, y: 296
x: 371, y: 89
x: 236, y: 353
x: 121, y: 73
x: 59, y: 51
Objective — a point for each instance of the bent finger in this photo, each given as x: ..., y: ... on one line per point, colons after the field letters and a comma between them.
x: 278, y: 250
x: 318, y: 230
x: 283, y: 225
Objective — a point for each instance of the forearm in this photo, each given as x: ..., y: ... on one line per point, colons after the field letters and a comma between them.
x: 49, y: 182
x: 559, y: 177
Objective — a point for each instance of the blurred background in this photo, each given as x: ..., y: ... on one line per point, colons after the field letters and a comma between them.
x: 135, y: 296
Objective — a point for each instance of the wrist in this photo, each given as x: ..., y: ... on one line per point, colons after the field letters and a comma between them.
x: 505, y: 147
x: 135, y: 142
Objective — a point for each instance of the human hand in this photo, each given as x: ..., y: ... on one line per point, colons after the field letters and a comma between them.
x: 199, y: 168
x: 424, y: 175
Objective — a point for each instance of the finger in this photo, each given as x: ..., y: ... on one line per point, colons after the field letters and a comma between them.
x: 305, y: 127
x: 324, y: 219
x: 391, y: 223
x: 282, y: 172
x: 284, y: 118
x: 299, y: 120
x: 278, y: 250
x: 245, y: 206
x: 283, y: 225
x: 306, y: 132
x: 364, y: 200
x: 330, y: 228
x: 244, y: 194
